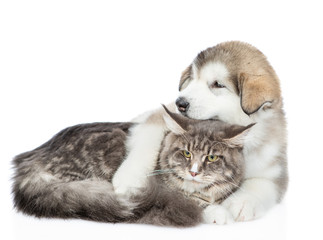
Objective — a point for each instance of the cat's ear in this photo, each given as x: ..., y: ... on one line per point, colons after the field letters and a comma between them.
x: 236, y: 135
x: 176, y: 123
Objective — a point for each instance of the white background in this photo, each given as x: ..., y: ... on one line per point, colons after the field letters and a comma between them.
x: 69, y: 62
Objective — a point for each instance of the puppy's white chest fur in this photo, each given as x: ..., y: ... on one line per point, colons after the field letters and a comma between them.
x: 260, y: 162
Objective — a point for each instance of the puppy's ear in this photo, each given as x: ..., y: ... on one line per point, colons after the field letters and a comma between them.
x: 185, y: 78
x: 257, y: 91
x: 176, y: 123
x: 235, y: 135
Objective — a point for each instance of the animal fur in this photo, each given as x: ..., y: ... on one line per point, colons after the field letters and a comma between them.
x: 235, y: 83
x: 70, y: 177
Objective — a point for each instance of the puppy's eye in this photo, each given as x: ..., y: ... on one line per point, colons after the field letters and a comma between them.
x: 216, y: 84
x: 187, y: 154
x: 212, y: 158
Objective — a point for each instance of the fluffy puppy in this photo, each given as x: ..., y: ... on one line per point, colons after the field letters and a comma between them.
x: 235, y: 83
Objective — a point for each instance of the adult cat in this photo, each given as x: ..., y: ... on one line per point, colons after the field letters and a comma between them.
x: 200, y: 163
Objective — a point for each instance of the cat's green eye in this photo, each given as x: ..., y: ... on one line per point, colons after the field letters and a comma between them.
x: 212, y: 158
x: 187, y: 154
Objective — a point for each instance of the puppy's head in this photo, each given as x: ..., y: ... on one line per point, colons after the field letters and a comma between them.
x: 230, y: 81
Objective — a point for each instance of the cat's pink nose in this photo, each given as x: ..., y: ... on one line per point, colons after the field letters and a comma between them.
x: 193, y: 173
x: 194, y: 169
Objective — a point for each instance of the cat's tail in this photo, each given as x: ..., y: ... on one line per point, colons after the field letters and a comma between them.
x: 43, y: 196
x: 163, y: 206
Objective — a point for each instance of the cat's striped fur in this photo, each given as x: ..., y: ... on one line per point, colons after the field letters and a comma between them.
x: 70, y: 175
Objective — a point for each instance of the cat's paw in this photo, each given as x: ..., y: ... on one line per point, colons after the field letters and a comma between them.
x: 217, y: 214
x: 244, y: 207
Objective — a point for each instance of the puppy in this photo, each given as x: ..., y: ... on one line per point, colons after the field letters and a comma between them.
x: 233, y: 82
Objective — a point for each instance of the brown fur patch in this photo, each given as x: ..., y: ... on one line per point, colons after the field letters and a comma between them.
x: 186, y: 75
x: 256, y: 90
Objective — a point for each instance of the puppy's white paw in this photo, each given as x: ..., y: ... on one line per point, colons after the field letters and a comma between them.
x: 126, y: 184
x: 244, y: 207
x: 217, y: 214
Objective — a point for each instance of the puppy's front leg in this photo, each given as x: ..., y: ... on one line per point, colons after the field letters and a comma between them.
x: 217, y: 214
x: 252, y: 200
x: 143, y: 145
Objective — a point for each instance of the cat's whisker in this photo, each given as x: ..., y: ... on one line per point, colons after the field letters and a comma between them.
x: 159, y: 172
x: 232, y: 191
x: 247, y: 192
x: 225, y: 189
x: 234, y: 184
x: 155, y: 174
x: 162, y: 170
x: 243, y: 190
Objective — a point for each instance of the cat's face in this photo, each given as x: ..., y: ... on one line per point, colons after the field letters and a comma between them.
x: 203, y: 156
x: 202, y: 164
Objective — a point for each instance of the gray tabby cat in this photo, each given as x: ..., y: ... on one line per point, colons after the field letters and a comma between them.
x: 200, y: 164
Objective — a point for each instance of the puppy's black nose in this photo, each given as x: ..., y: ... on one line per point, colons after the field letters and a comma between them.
x: 182, y: 104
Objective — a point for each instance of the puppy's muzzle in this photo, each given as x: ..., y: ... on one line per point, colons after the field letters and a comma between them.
x: 182, y: 104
